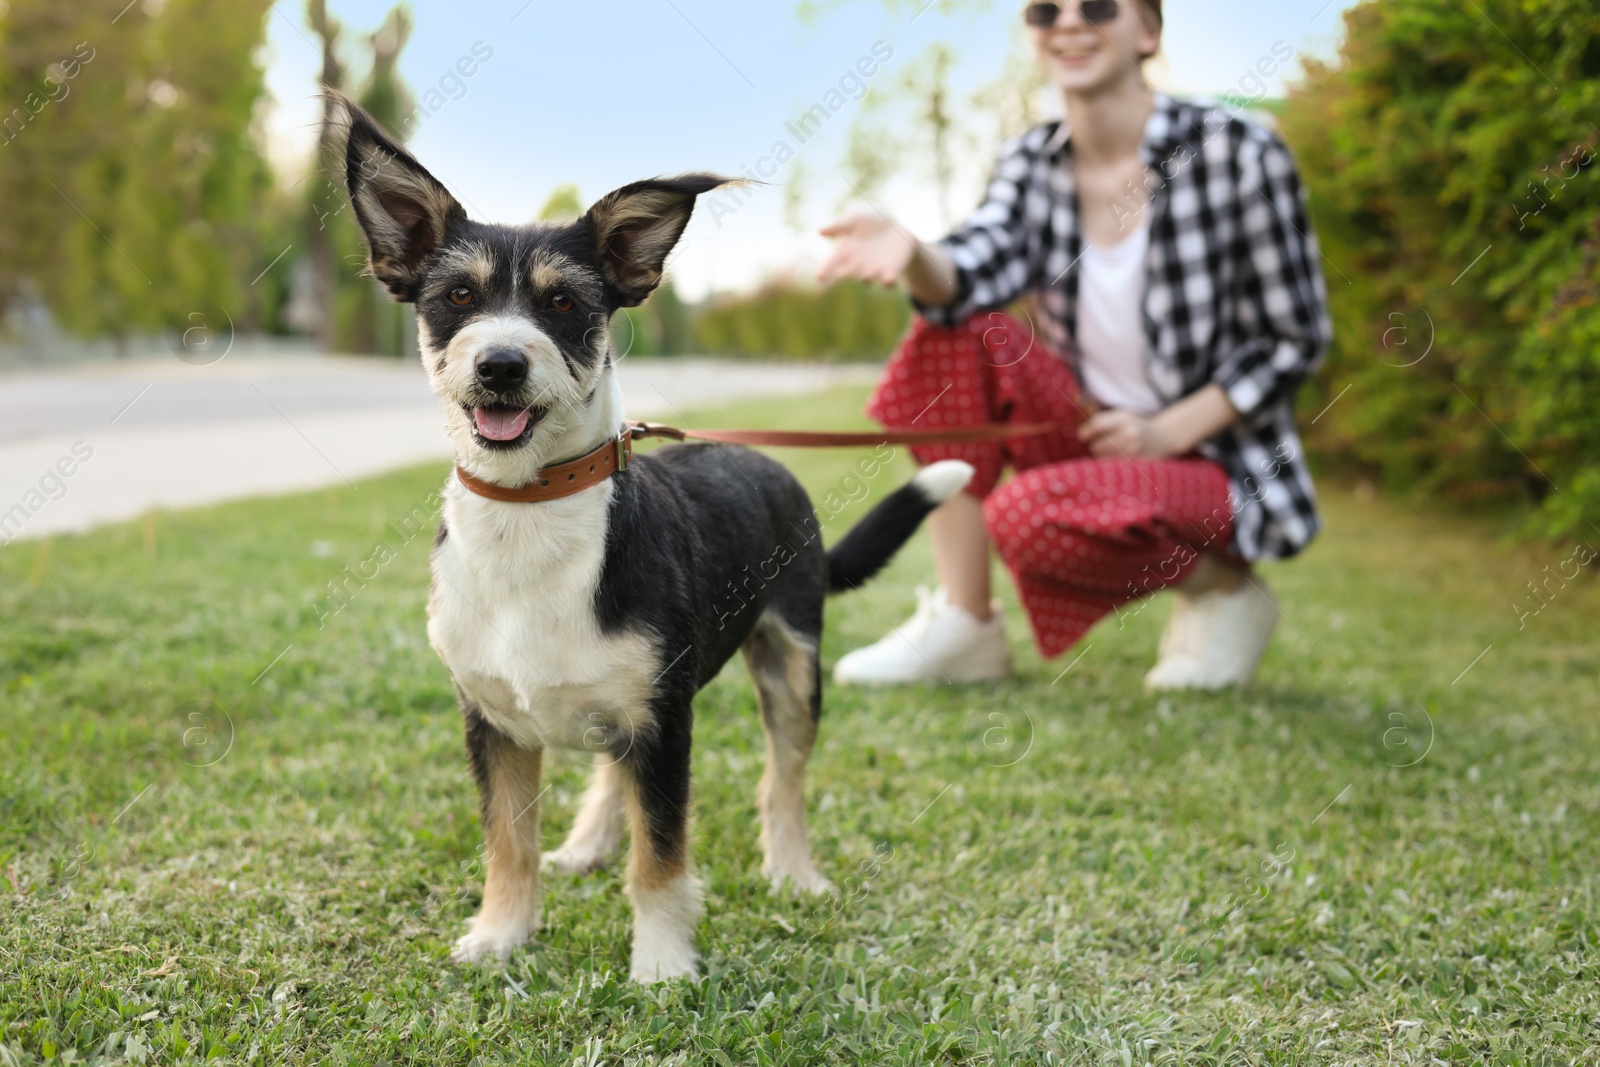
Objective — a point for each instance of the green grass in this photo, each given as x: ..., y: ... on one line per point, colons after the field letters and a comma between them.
x: 201, y: 863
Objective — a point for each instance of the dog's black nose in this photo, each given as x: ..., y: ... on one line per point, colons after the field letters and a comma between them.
x: 501, y: 370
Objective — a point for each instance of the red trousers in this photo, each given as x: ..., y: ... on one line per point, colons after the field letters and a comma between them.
x: 1081, y: 536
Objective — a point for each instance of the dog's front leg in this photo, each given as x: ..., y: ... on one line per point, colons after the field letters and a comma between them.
x: 508, y: 794
x: 661, y: 882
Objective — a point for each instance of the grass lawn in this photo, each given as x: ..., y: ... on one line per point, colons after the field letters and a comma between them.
x: 230, y: 832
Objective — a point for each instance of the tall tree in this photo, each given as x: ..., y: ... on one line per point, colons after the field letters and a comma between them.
x: 127, y: 165
x: 384, y: 95
x: 563, y: 205
x: 343, y: 309
x: 325, y: 199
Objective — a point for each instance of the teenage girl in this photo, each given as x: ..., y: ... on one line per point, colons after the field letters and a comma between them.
x: 1178, y: 305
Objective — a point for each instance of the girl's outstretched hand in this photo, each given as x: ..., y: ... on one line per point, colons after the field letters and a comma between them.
x: 869, y: 246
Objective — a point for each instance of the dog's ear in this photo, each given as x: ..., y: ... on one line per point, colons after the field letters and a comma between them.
x: 636, y: 226
x: 404, y: 211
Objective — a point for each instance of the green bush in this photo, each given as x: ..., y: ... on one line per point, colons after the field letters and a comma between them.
x: 659, y: 327
x: 848, y: 320
x: 1449, y: 153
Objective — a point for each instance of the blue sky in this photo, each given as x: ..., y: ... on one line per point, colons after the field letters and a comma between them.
x: 608, y: 91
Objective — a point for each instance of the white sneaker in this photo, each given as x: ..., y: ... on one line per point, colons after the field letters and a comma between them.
x: 1215, y: 639
x: 940, y: 643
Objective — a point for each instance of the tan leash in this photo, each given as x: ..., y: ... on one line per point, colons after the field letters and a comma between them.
x: 592, y: 468
x: 954, y: 435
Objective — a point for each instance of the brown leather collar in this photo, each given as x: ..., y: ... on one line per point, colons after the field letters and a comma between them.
x: 563, y: 479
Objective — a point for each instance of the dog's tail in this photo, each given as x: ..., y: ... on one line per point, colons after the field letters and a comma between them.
x: 874, y: 540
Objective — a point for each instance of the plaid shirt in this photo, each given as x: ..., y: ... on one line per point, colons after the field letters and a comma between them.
x: 1233, y: 289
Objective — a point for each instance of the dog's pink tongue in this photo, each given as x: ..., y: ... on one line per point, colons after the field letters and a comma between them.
x: 500, y: 425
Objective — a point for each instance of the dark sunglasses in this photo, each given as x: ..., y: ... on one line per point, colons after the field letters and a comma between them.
x: 1043, y: 16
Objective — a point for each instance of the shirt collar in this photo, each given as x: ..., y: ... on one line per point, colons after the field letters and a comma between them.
x: 1162, y: 131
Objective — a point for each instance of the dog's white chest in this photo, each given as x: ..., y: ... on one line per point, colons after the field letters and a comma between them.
x: 512, y: 615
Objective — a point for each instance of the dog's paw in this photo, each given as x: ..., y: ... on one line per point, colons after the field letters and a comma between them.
x: 570, y: 860
x: 806, y: 879
x: 485, y: 942
x: 664, y: 920
x: 660, y: 963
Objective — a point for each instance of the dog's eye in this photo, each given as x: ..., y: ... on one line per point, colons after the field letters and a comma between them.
x: 461, y: 296
x: 563, y: 302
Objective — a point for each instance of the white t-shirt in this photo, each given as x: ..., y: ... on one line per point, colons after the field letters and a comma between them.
x: 1111, y: 337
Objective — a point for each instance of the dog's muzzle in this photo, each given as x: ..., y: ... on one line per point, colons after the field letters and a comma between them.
x: 501, y: 414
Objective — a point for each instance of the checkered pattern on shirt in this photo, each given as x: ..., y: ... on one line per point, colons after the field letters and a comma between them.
x: 1234, y: 290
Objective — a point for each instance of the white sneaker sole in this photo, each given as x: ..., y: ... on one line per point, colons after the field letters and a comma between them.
x: 987, y: 659
x: 1236, y: 629
x: 964, y: 672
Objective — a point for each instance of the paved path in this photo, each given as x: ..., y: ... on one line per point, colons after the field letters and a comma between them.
x: 161, y: 433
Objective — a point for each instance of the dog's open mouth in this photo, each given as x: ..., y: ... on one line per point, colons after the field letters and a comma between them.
x: 502, y: 425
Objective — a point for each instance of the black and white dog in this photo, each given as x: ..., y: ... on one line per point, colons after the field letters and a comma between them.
x: 590, y: 621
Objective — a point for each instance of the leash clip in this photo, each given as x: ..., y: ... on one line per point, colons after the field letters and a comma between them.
x: 624, y: 449
x: 657, y: 429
